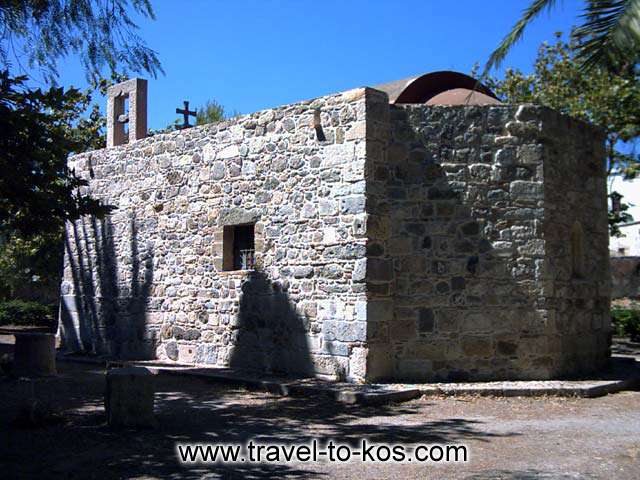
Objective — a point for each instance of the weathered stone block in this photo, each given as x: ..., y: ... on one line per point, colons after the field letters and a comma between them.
x: 352, y: 205
x: 171, y: 350
x: 303, y: 272
x: 334, y: 347
x: 426, y: 320
x: 477, y: 346
x: 379, y: 270
x: 228, y: 152
x: 505, y: 156
x: 345, y: 331
x: 327, y: 207
x: 186, y: 353
x: 520, y: 188
x: 379, y: 310
x: 34, y: 354
x: 416, y: 370
x: 129, y: 397
x: 358, y: 364
x: 359, y: 270
x: 207, y: 354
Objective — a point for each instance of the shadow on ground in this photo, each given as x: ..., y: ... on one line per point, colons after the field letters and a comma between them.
x: 195, y: 411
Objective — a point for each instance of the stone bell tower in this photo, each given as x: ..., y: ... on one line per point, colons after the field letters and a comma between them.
x: 135, y: 90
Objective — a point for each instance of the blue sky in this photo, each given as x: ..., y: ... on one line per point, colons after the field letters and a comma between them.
x: 251, y: 55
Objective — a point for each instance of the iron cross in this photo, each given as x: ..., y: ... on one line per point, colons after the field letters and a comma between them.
x: 185, y: 113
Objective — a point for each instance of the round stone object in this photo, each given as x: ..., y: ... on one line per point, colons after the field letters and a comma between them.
x: 129, y: 397
x: 34, y: 354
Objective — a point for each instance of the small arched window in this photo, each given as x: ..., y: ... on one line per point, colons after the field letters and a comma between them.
x: 577, y: 251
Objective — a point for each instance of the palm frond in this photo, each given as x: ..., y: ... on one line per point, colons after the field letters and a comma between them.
x: 610, y: 34
x: 499, y: 54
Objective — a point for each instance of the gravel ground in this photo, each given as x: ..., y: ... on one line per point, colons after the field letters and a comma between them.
x: 510, y: 438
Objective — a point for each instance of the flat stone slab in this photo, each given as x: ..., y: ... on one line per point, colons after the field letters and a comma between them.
x: 347, y: 393
x: 585, y: 388
x: 625, y: 376
x: 129, y: 397
x: 13, y: 329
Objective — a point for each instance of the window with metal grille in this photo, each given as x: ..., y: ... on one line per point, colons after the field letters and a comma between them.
x: 239, y: 247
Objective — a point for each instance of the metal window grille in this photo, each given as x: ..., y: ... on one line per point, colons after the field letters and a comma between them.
x: 247, y: 259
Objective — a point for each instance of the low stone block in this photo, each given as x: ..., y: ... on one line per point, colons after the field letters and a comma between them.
x: 34, y: 354
x: 129, y: 397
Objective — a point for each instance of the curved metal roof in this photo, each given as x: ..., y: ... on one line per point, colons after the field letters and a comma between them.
x: 439, y: 88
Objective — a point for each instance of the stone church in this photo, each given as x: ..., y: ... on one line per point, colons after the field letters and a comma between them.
x: 415, y: 231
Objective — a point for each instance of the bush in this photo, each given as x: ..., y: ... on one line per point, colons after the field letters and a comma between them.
x: 626, y: 322
x: 19, y: 312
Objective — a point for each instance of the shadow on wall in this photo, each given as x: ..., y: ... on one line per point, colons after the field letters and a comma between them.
x: 193, y: 410
x: 106, y: 314
x: 466, y: 250
x: 270, y: 335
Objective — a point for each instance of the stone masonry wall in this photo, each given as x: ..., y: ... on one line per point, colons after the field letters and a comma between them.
x: 577, y: 278
x: 148, y: 281
x: 469, y: 257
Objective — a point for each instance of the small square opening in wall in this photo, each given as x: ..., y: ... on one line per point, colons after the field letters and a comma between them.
x: 239, y: 247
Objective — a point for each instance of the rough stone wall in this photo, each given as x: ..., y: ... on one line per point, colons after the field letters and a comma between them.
x: 576, y: 272
x: 148, y: 281
x: 400, y: 242
x: 468, y: 252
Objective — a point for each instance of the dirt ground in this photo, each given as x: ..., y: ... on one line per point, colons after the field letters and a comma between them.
x: 508, y: 438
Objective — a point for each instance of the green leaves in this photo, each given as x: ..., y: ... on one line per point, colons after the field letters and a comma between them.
x: 101, y: 32
x: 37, y: 191
x: 19, y: 312
x: 211, y: 112
x: 499, y: 54
x: 626, y: 322
x: 39, y: 129
x: 609, y: 37
x: 599, y: 96
x: 30, y: 265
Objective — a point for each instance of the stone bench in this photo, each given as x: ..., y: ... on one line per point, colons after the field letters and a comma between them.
x: 34, y: 354
x: 129, y: 397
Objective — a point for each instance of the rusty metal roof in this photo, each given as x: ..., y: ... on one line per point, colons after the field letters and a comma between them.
x: 439, y: 88
x: 462, y: 96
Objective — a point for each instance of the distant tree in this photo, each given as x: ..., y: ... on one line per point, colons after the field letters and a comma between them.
x: 609, y: 36
x: 599, y: 96
x: 101, y: 32
x: 30, y: 264
x: 40, y: 128
x: 37, y: 191
x: 211, y: 112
